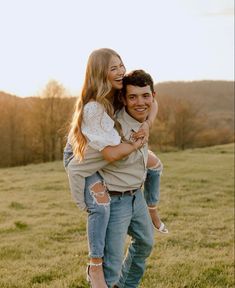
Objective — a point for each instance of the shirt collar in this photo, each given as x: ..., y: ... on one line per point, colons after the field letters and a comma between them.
x: 134, y: 124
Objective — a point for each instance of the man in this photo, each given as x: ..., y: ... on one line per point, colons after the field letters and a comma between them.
x: 124, y: 178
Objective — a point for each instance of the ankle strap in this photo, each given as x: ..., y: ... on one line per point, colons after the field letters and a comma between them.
x: 94, y: 264
x: 152, y: 208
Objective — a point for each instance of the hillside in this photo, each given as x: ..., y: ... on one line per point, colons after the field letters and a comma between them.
x: 43, y: 234
x: 34, y: 129
x: 215, y: 98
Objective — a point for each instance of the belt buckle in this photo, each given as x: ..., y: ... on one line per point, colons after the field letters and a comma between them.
x: 132, y: 192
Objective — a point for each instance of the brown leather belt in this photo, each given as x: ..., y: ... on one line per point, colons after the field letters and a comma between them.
x: 118, y: 193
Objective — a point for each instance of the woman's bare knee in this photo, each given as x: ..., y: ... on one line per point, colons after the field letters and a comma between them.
x: 100, y: 194
x: 153, y: 160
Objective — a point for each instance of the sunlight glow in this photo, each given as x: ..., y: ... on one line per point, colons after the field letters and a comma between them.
x: 173, y: 40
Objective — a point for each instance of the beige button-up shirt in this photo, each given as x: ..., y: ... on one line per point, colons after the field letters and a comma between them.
x: 128, y: 173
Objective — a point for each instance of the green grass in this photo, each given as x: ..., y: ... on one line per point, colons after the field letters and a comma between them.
x: 43, y: 234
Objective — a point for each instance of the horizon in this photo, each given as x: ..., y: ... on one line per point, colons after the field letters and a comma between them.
x: 48, y: 41
x: 157, y: 83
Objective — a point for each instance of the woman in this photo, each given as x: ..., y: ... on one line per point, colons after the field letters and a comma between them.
x: 95, y: 140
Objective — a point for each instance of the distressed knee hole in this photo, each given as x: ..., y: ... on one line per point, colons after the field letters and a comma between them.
x: 99, y: 193
x: 157, y: 166
x: 153, y: 161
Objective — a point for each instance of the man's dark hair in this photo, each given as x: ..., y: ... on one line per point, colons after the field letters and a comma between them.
x: 137, y: 78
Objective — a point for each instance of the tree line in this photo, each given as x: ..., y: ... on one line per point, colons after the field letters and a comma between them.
x: 34, y: 129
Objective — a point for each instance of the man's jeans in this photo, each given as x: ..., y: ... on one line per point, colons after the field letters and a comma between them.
x: 128, y: 215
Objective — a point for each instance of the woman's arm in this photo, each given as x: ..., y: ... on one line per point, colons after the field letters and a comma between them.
x: 152, y: 114
x: 114, y: 153
x: 102, y: 136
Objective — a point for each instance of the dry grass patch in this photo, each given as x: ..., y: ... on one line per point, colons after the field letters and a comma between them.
x: 43, y: 234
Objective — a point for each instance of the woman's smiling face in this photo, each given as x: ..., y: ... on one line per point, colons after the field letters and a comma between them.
x: 116, y: 72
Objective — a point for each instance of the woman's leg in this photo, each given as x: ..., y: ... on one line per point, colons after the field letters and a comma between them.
x: 152, y: 190
x: 98, y: 207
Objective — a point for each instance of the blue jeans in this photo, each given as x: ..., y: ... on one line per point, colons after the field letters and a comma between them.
x: 68, y: 154
x: 98, y: 218
x: 128, y: 215
x: 152, y: 185
x: 98, y: 214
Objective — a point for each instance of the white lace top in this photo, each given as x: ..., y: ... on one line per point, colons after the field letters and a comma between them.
x: 98, y: 127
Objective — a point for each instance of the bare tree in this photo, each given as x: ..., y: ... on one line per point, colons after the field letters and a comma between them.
x: 185, y: 124
x: 52, y: 120
x: 178, y: 123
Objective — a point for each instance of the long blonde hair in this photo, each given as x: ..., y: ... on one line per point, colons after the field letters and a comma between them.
x: 96, y: 87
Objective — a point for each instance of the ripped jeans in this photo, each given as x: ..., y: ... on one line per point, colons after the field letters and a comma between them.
x: 108, y: 226
x: 98, y: 208
x: 152, y: 185
x: 99, y: 213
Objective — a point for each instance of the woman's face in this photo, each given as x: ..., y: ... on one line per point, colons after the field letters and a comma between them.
x: 116, y: 72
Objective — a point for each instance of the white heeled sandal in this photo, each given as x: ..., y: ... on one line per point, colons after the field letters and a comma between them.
x: 162, y: 228
x: 88, y: 277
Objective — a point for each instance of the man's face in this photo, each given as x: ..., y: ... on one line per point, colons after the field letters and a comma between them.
x: 138, y: 101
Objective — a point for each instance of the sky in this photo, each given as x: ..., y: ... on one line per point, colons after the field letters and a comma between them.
x: 173, y: 40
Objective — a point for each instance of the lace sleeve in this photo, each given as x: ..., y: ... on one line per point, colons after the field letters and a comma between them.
x: 98, y: 127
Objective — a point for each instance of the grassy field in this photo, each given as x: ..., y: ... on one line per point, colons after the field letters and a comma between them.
x: 43, y: 234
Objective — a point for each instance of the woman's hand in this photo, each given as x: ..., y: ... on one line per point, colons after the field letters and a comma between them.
x: 139, y: 143
x: 143, y: 132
